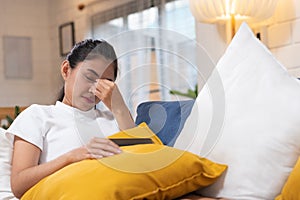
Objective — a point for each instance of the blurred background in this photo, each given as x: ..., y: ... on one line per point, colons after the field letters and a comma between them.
x: 160, y: 45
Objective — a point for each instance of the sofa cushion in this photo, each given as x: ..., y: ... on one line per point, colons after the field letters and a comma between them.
x: 148, y: 171
x: 6, y: 148
x: 247, y: 116
x: 165, y: 118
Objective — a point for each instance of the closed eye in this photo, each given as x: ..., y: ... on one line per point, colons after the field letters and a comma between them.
x: 93, y: 80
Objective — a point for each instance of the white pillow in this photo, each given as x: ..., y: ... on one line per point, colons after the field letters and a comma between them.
x: 6, y: 147
x: 248, y: 117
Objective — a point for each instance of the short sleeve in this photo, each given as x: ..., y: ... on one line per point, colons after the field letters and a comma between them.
x: 29, y: 126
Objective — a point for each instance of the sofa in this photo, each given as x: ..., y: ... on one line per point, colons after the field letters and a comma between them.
x: 245, y: 117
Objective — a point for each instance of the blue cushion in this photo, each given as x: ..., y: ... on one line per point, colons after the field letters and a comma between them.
x: 165, y: 118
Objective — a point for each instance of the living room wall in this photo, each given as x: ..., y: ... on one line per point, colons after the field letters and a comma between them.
x: 28, y: 19
x: 284, y: 35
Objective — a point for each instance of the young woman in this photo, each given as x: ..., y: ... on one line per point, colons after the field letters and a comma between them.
x: 48, y: 137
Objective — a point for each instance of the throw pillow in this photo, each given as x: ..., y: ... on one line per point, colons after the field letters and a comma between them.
x: 246, y: 116
x: 6, y: 148
x: 148, y: 171
x: 141, y: 131
x: 291, y: 187
x: 165, y: 118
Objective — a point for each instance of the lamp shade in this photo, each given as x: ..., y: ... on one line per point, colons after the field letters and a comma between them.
x: 210, y: 11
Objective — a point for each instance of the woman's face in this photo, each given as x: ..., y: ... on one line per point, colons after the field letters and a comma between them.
x: 82, y: 78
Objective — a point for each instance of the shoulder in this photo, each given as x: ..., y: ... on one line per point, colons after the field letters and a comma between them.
x: 39, y: 107
x: 36, y: 110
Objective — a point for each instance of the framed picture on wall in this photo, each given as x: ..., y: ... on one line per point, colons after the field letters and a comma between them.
x: 20, y: 48
x: 66, y: 38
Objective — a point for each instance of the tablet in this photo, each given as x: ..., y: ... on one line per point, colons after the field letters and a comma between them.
x: 131, y: 141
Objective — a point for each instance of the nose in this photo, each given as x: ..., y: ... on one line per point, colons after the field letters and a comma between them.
x: 92, y: 89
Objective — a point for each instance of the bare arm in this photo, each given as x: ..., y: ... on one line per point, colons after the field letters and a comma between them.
x: 123, y: 117
x: 25, y: 169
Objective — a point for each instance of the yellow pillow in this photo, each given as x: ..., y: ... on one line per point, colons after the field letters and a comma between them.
x: 291, y: 190
x: 141, y: 131
x: 147, y: 171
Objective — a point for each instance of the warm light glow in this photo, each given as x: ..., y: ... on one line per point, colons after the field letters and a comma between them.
x: 210, y: 11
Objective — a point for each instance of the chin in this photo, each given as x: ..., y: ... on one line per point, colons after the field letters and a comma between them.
x: 88, y: 107
x: 84, y: 106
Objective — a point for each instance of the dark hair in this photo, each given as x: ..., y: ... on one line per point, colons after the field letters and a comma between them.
x: 87, y: 50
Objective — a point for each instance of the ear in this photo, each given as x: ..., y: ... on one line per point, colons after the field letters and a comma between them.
x: 65, y: 69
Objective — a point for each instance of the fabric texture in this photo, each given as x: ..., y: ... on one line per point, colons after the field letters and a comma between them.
x: 57, y: 129
x: 165, y: 118
x: 247, y: 116
x: 291, y: 190
x: 6, y: 148
x: 148, y: 171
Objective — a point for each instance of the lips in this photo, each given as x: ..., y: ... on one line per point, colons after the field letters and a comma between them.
x: 90, y: 100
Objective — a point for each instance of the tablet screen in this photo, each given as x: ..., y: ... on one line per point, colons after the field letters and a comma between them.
x: 131, y: 141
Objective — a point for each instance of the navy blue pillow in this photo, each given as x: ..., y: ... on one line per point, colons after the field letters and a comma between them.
x: 165, y: 118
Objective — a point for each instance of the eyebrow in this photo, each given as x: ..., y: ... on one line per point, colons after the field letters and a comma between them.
x: 94, y: 72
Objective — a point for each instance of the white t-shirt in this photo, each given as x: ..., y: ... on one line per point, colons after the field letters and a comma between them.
x: 57, y: 129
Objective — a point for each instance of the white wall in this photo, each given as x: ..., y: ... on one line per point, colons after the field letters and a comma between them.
x: 27, y: 19
x: 281, y: 35
x: 284, y: 35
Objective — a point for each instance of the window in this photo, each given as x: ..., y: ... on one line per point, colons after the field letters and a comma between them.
x: 150, y: 38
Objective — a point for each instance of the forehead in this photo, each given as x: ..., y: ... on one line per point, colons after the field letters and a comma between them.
x: 99, y: 65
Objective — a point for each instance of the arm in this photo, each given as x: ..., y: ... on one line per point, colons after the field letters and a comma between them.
x: 108, y: 92
x: 26, y: 171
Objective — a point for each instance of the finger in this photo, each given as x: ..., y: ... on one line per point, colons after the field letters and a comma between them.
x: 104, y: 141
x: 107, y: 81
x: 91, y: 156
x: 104, y: 84
x: 98, y: 153
x: 104, y: 144
x: 103, y: 90
x: 98, y: 94
x: 104, y: 147
x: 111, y: 80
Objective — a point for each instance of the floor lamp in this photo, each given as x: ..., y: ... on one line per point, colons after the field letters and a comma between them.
x: 231, y: 11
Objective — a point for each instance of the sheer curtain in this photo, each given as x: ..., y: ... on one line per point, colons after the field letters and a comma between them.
x: 155, y: 44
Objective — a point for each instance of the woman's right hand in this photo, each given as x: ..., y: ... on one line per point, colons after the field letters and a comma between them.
x: 96, y: 148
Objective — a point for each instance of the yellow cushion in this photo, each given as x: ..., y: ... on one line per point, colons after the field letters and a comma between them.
x: 150, y: 171
x: 291, y: 190
x: 141, y: 131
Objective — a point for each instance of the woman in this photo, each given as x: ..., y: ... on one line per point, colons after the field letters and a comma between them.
x: 47, y: 138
